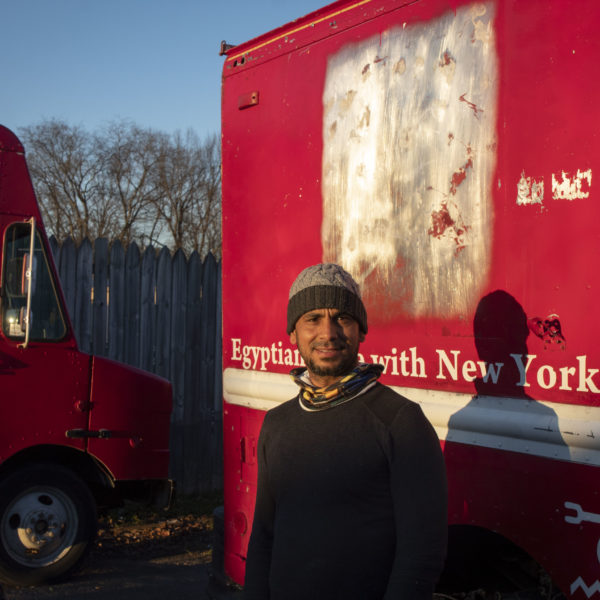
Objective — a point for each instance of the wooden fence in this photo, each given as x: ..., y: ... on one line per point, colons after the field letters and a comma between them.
x: 162, y: 313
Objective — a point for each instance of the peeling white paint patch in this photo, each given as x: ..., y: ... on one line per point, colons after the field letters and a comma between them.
x: 409, y: 152
x: 572, y: 187
x: 529, y: 190
x: 569, y: 187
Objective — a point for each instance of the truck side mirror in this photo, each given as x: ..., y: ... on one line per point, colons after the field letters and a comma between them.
x: 22, y: 319
x: 28, y: 285
x: 24, y: 263
x: 28, y: 264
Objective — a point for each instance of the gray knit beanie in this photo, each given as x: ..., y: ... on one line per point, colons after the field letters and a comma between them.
x: 325, y: 286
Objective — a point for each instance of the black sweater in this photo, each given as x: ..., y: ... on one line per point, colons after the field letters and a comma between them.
x: 351, y: 503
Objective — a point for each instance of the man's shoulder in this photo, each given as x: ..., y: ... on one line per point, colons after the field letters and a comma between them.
x: 284, y: 409
x: 386, y: 404
x: 383, y: 393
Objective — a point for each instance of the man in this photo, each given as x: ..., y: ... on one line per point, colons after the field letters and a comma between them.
x: 351, y: 500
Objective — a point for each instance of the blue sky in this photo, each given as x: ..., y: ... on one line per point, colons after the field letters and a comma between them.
x: 155, y: 62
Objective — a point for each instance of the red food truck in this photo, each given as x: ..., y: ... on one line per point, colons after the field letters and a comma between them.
x: 443, y: 152
x: 76, y: 431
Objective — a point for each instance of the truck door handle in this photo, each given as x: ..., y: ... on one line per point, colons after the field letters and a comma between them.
x: 248, y: 448
x: 86, y: 433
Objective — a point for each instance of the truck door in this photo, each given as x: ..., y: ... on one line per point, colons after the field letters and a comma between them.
x: 43, y: 377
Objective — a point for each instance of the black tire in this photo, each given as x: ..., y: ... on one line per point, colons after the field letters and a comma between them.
x: 47, y: 524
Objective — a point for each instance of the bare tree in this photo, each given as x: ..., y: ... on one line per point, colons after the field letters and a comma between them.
x: 127, y: 183
x: 130, y: 155
x: 189, y: 200
x: 67, y: 175
x: 205, y: 226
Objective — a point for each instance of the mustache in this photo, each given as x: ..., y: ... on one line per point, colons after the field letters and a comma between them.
x: 329, y: 346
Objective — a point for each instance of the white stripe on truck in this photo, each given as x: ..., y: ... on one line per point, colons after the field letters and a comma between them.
x: 548, y: 429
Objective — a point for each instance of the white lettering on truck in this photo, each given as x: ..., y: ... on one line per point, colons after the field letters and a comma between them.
x: 581, y: 516
x: 450, y: 365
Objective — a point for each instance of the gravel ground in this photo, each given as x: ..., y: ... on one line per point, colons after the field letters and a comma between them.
x: 147, y: 561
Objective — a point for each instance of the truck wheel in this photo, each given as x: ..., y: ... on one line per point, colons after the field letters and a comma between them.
x: 47, y: 524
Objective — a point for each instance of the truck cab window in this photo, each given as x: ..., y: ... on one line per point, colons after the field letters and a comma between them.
x: 46, y: 319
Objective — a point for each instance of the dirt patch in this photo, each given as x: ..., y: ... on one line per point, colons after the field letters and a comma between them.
x: 175, y: 535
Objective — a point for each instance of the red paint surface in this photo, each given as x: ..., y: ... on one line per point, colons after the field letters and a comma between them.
x: 544, y: 257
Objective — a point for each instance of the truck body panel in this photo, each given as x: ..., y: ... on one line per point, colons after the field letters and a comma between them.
x: 136, y: 445
x: 443, y: 153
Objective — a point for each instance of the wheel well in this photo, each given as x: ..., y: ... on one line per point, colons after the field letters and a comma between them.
x: 478, y: 558
x: 94, y: 474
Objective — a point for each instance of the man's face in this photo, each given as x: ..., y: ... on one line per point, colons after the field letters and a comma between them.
x: 328, y: 341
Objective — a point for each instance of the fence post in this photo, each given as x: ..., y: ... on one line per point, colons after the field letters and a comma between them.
x: 164, y: 280
x: 67, y: 267
x: 193, y: 434
x: 99, y: 305
x: 147, y: 341
x: 116, y: 302
x: 179, y: 424
x: 83, y: 307
x: 132, y: 309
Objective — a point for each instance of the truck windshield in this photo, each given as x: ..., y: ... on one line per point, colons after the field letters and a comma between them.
x: 46, y: 319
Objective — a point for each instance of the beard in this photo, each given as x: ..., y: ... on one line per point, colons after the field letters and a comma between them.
x: 337, y: 370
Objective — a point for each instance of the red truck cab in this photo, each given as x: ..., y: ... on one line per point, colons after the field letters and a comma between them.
x: 76, y: 431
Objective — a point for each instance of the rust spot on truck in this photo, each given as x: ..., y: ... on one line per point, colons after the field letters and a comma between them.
x: 443, y: 225
x: 476, y: 110
x: 549, y: 330
x: 440, y: 221
x: 459, y: 176
x: 446, y: 59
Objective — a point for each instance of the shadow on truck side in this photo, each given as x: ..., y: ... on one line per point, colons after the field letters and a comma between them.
x: 500, y: 415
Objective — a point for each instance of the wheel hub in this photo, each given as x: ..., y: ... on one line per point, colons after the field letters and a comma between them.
x: 39, y: 526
